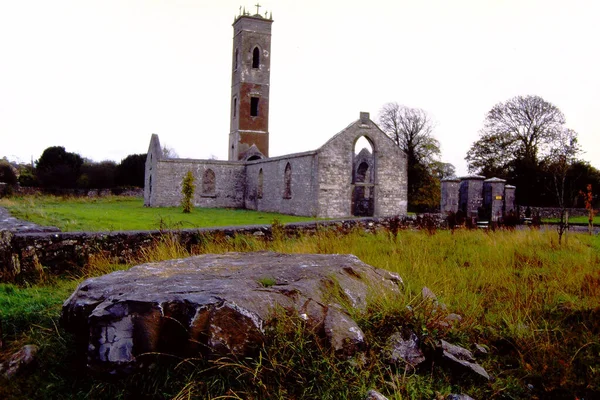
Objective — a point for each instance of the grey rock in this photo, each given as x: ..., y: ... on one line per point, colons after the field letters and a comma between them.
x: 461, y: 360
x: 402, y: 349
x: 428, y: 294
x: 375, y: 395
x: 19, y: 361
x: 214, y: 305
x: 343, y: 333
x: 480, y: 350
x: 458, y: 397
x: 453, y: 318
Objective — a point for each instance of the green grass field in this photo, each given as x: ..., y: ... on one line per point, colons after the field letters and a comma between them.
x: 533, y: 303
x: 125, y: 213
x: 577, y: 220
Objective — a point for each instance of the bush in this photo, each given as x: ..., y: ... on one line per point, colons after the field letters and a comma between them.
x: 187, y: 189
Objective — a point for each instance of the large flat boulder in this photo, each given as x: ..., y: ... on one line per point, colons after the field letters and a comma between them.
x: 217, y: 305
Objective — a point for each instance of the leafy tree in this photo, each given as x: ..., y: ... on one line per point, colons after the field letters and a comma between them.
x: 580, y: 175
x: 8, y: 176
x: 7, y: 173
x: 131, y: 170
x: 58, y: 168
x: 187, y: 189
x: 412, y: 130
x: 27, y: 177
x: 97, y: 175
x: 517, y: 135
x: 442, y: 170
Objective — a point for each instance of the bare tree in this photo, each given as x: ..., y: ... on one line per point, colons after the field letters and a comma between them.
x: 411, y: 129
x: 521, y: 128
x: 169, y: 152
x: 560, y: 159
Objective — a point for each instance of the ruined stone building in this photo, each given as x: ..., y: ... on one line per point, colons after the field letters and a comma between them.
x: 360, y: 171
x: 477, y: 197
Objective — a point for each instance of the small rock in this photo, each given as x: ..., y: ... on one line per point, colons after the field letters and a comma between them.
x: 461, y: 360
x: 480, y: 350
x: 458, y: 397
x: 18, y: 361
x: 459, y: 352
x: 427, y: 294
x: 375, y: 395
x: 259, y: 233
x: 403, y: 349
x: 453, y: 318
x: 343, y: 333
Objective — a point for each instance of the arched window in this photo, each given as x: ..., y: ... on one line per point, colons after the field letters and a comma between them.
x: 287, y: 182
x: 259, y: 188
x: 363, y: 178
x: 208, y: 182
x: 237, y: 57
x: 256, y: 58
x: 234, y: 107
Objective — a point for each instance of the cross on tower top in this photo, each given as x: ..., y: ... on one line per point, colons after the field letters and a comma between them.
x: 257, y: 5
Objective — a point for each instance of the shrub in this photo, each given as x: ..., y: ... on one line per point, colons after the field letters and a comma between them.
x: 187, y: 189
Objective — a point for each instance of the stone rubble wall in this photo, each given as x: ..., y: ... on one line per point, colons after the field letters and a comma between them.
x: 25, y: 256
x: 303, y: 185
x: 552, y: 212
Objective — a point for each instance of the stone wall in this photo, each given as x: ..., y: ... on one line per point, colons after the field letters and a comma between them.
x: 471, y: 195
x: 228, y: 185
x: 335, y: 168
x: 552, y: 212
x: 22, y: 255
x: 302, y: 195
x: 320, y: 182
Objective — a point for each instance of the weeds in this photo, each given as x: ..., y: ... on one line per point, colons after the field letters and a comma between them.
x: 533, y: 303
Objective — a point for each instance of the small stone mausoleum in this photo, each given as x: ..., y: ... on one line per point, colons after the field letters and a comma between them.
x: 478, y: 197
x: 358, y: 172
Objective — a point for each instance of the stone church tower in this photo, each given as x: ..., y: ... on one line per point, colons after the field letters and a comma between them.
x: 250, y: 78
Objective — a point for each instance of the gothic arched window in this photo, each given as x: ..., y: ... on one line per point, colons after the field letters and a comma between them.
x: 256, y: 58
x: 208, y: 182
x: 259, y: 189
x: 287, y: 182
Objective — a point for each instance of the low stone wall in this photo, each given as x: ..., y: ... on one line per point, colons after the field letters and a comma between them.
x: 552, y: 212
x: 132, y: 192
x: 26, y: 256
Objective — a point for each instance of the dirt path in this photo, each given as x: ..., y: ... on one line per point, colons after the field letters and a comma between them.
x: 10, y: 223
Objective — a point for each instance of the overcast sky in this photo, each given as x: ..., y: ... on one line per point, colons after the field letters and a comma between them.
x: 100, y: 76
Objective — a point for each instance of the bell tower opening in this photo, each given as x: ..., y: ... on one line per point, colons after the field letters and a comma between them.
x: 250, y: 81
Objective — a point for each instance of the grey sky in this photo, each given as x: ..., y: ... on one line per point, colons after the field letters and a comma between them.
x: 100, y: 76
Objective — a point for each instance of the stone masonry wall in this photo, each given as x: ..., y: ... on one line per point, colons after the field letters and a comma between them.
x: 303, y: 185
x: 27, y: 256
x: 229, y: 183
x: 335, y: 172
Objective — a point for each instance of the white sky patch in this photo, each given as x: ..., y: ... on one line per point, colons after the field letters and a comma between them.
x: 100, y: 76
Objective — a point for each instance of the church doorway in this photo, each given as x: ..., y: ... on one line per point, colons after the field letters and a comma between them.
x: 363, y: 178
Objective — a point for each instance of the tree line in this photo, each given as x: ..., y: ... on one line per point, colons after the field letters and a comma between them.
x: 524, y: 140
x: 58, y: 169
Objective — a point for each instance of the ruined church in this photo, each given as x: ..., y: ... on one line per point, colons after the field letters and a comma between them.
x: 360, y: 171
